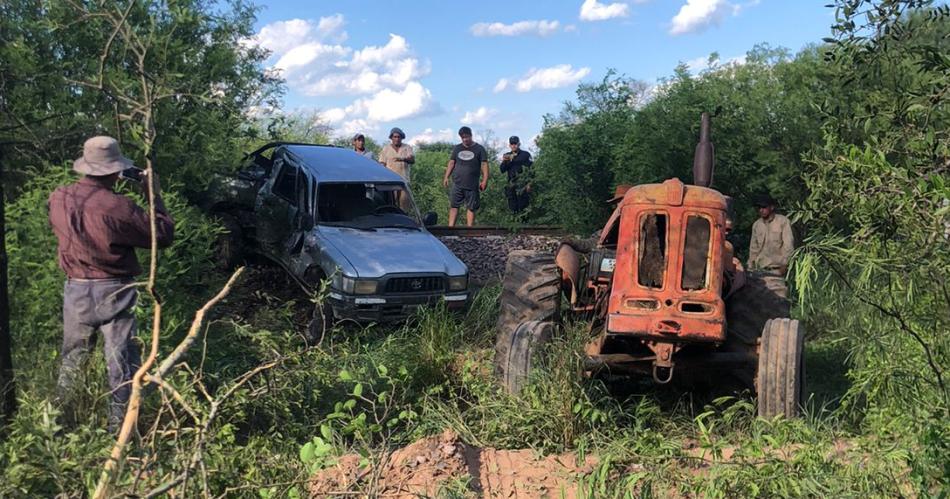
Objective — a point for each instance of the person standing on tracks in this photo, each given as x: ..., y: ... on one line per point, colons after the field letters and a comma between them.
x: 396, y: 155
x: 468, y: 169
x: 515, y: 163
x: 98, y: 231
x: 772, y: 245
x: 359, y: 147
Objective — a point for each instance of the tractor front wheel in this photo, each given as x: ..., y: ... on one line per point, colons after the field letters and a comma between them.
x: 526, y: 343
x: 780, y: 377
x: 531, y: 291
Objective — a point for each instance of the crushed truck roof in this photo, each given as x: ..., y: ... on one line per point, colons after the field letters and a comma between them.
x: 336, y: 164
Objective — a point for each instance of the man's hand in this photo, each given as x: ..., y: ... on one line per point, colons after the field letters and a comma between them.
x: 527, y: 188
x: 153, y: 182
x: 483, y: 185
x: 782, y: 270
x: 445, y: 181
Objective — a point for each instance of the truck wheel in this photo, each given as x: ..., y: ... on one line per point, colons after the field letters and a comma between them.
x: 321, y: 320
x: 530, y: 292
x: 526, y: 343
x: 229, y: 249
x: 780, y: 377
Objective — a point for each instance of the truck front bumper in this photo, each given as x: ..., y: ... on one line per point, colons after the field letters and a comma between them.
x: 389, y: 308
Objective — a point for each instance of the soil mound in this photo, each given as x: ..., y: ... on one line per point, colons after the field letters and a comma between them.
x: 430, y: 466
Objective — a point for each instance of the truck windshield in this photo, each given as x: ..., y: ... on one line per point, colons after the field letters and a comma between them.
x: 366, y: 206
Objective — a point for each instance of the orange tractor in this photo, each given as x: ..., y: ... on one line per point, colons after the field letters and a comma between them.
x: 663, y: 295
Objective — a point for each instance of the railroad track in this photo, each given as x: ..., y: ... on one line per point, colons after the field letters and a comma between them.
x: 495, y: 230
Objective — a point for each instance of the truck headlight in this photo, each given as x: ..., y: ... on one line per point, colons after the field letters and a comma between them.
x: 352, y: 286
x: 364, y: 287
x: 458, y: 283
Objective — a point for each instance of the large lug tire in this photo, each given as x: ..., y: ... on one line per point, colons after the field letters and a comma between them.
x: 531, y: 291
x: 780, y: 378
x: 229, y: 247
x: 527, y: 343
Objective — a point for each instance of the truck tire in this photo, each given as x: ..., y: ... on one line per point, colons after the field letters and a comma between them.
x: 229, y: 247
x: 530, y: 292
x: 526, y: 344
x: 780, y: 377
x: 321, y: 321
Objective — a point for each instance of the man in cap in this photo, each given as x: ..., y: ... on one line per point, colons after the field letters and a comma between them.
x: 359, y: 146
x: 98, y: 231
x: 515, y: 163
x: 772, y: 244
x: 396, y: 155
x: 468, y: 164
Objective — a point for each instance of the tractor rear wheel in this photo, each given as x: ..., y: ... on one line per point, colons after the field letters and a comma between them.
x: 531, y: 291
x: 780, y: 378
x: 526, y: 343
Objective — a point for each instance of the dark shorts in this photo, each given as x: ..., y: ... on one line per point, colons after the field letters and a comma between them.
x: 469, y: 198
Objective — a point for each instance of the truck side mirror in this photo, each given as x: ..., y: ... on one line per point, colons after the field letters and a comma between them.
x: 430, y: 218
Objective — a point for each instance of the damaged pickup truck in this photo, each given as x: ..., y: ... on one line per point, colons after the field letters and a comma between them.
x: 323, y: 212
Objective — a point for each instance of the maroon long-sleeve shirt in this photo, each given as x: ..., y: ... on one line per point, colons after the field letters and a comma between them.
x: 98, y: 230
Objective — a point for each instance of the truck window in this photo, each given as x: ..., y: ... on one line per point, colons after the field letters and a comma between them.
x: 285, y: 185
x: 695, y: 253
x: 651, y: 253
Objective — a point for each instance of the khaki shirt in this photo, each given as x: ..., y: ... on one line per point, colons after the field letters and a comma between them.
x: 772, y: 243
x: 396, y: 160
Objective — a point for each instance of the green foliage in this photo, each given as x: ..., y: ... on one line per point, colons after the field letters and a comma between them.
x: 206, y: 80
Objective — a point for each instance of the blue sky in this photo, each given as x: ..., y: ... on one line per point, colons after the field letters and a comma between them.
x: 429, y: 66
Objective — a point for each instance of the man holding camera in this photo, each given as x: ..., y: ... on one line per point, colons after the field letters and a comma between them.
x: 98, y: 231
x: 515, y: 163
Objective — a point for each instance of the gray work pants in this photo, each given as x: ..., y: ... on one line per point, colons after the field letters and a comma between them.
x: 106, y: 306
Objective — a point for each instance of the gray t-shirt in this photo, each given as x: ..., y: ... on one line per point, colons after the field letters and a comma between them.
x: 468, y: 165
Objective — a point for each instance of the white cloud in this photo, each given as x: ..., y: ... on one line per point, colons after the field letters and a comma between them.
x: 558, y: 76
x: 592, y: 10
x: 429, y: 136
x: 539, y: 28
x: 314, y: 61
x: 697, y: 15
x: 501, y: 86
x: 712, y: 62
x: 281, y: 36
x: 480, y: 116
x: 385, y: 105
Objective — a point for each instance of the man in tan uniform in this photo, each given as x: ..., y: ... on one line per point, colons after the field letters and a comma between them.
x: 771, y: 246
x: 397, y: 156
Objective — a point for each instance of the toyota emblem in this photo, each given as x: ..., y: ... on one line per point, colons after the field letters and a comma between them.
x: 415, y: 284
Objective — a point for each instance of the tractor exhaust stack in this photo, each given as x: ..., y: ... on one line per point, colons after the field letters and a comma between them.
x: 704, y: 157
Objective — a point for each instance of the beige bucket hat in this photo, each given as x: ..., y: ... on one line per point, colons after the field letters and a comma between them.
x: 100, y: 157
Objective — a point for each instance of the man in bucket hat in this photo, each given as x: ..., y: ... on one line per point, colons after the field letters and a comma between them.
x: 98, y: 231
x: 397, y: 155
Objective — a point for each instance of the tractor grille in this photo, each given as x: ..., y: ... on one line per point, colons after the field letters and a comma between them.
x: 427, y: 284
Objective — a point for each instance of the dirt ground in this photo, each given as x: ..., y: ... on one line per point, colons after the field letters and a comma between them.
x: 431, y: 465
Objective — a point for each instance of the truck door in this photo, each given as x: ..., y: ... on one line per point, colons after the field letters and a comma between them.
x: 281, y: 203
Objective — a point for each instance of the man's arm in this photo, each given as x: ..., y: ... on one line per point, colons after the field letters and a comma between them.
x: 132, y: 226
x: 448, y: 172
x: 754, y: 247
x: 788, y: 244
x: 484, y: 184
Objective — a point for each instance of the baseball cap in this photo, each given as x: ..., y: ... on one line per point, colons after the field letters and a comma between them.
x: 358, y: 136
x: 514, y: 140
x: 763, y: 200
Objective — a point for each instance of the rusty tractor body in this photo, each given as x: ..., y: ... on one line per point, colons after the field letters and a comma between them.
x: 663, y: 295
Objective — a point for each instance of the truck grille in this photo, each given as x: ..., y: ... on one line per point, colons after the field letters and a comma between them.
x: 415, y: 284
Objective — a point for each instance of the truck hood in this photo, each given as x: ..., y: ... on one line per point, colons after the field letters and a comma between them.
x: 373, y: 254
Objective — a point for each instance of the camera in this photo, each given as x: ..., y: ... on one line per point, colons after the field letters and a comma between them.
x: 134, y: 174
